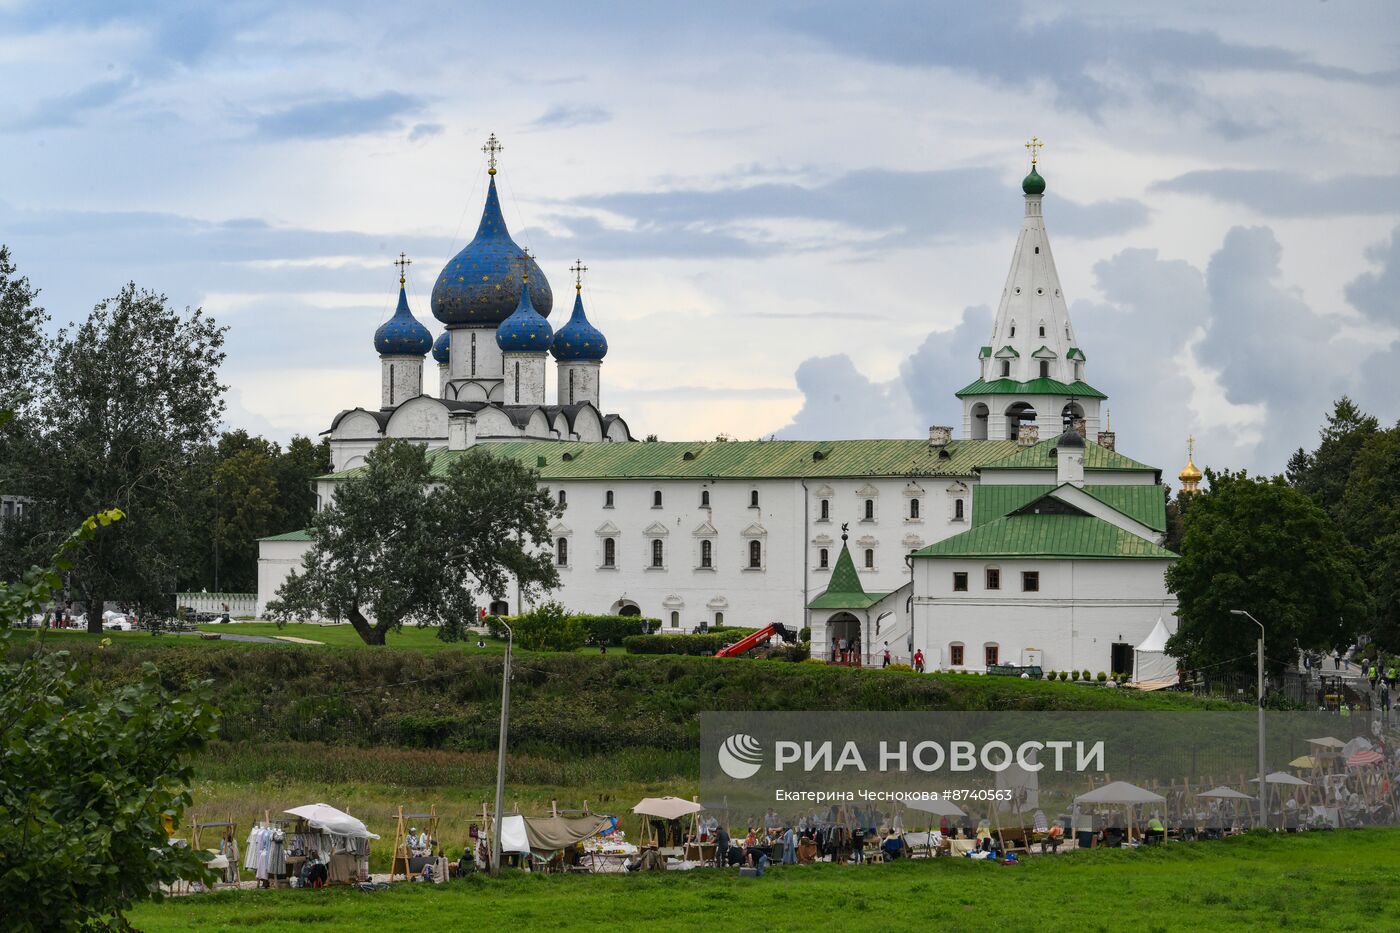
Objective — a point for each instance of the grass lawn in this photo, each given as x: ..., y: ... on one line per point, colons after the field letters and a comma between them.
x: 1316, y: 881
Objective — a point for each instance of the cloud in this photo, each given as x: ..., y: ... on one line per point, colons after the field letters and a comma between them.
x: 1090, y: 64
x: 944, y: 363
x: 1288, y: 194
x: 422, y: 131
x: 562, y: 116
x: 65, y: 109
x: 338, y: 116
x: 840, y: 402
x: 1377, y: 294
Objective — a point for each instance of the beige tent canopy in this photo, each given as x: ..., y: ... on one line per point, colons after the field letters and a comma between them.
x: 1224, y: 793
x: 1281, y: 777
x: 666, y: 808
x: 936, y: 806
x: 552, y: 833
x: 1120, y: 792
x: 1327, y: 741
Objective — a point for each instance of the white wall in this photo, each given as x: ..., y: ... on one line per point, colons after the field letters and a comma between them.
x: 401, y: 378
x: 524, y: 378
x: 585, y: 382
x: 1082, y: 608
x: 276, y: 559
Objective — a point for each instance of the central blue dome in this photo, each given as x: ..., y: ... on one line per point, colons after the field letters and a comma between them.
x: 476, y: 286
x: 442, y: 348
x: 402, y: 334
x: 579, y: 339
x: 525, y: 331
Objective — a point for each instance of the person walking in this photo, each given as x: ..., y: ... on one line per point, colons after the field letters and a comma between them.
x: 885, y: 658
x: 919, y: 660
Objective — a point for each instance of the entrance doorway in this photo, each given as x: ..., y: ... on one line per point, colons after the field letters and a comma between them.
x: 1121, y: 659
x: 844, y: 626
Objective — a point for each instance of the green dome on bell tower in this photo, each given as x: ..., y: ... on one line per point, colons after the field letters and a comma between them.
x: 1033, y: 183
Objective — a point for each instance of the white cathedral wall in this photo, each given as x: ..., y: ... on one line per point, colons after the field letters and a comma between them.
x: 401, y: 379
x: 276, y: 559
x: 473, y: 353
x: 585, y: 382
x: 423, y: 419
x: 1082, y: 608
x: 524, y: 378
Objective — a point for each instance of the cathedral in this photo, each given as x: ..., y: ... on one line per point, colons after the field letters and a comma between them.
x: 1028, y: 539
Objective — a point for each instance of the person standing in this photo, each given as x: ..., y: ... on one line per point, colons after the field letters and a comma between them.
x: 919, y: 660
x: 721, y: 847
x: 885, y: 657
x: 844, y: 646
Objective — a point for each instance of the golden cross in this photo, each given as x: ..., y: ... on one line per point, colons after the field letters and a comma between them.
x: 1190, y: 446
x: 403, y: 262
x: 1034, y: 146
x: 578, y: 269
x: 493, y: 146
x: 524, y: 260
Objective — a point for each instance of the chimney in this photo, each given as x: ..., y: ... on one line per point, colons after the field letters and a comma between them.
x: 1028, y: 435
x: 1069, y: 460
x: 939, y: 436
x: 461, y: 430
x: 1106, y: 439
x: 1080, y: 426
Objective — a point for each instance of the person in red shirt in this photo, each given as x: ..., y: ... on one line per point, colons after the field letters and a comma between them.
x: 919, y: 660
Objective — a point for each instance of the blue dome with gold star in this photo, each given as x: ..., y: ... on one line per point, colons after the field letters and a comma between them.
x: 579, y: 339
x: 525, y: 331
x: 442, y: 347
x: 402, y: 334
x: 478, y: 286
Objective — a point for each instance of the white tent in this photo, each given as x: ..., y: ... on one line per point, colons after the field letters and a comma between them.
x: 513, y: 835
x: 1117, y: 792
x: 1225, y: 793
x: 1153, y: 668
x: 325, y: 817
x: 666, y: 808
x: 936, y: 806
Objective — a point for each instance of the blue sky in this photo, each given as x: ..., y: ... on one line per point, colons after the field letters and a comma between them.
x: 796, y: 215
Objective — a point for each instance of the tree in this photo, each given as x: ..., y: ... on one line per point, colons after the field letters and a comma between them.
x: 399, y: 544
x: 88, y: 779
x: 1267, y: 548
x: 136, y: 399
x: 23, y: 346
x: 1324, y: 473
x: 1370, y: 516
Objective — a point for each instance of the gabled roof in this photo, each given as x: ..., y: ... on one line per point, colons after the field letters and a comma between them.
x: 845, y: 590
x: 1033, y: 387
x: 985, y: 352
x: 1145, y: 504
x: 1039, y: 457
x: 1007, y: 352
x: 1029, y: 535
x: 1044, y: 353
x: 302, y: 535
x: 1074, y: 353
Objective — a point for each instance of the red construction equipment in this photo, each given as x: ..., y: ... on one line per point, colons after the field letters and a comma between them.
x: 753, y: 641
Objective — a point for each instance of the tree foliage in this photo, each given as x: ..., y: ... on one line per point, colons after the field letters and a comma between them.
x: 1264, y: 547
x: 88, y: 781
x: 400, y: 545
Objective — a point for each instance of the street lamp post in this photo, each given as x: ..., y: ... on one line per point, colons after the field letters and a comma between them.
x: 1263, y: 791
x: 501, y: 753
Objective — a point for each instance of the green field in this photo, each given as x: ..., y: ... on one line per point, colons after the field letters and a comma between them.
x: 1315, y: 881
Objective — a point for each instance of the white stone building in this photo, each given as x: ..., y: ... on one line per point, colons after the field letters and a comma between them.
x: 993, y: 548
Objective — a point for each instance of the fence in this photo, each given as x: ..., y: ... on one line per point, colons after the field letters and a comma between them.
x: 238, y: 604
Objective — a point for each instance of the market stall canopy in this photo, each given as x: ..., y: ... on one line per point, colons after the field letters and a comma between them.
x: 1280, y: 777
x: 552, y: 833
x: 1120, y: 792
x: 514, y: 838
x: 666, y: 808
x: 1365, y: 757
x: 1303, y: 761
x: 324, y: 816
x: 937, y: 806
x: 1224, y: 793
x: 1327, y: 741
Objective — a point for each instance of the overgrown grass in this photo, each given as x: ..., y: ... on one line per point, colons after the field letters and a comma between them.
x: 1314, y: 881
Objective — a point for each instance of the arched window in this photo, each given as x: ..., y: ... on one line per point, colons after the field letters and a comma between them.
x: 704, y: 498
x: 571, y: 387
x: 1045, y: 369
x: 608, y: 499
x: 656, y: 499
x: 658, y: 553
x: 1013, y: 323
x: 823, y: 558
x: 1042, y: 330
x: 391, y: 383
x: 563, y: 499
x: 675, y: 619
x: 707, y: 553
x: 870, y: 510
x: 719, y: 619
x: 869, y: 558
x: 517, y: 383
x: 753, y: 498
x: 561, y: 552
x: 609, y: 552
x: 826, y: 510
x: 913, y: 508
x: 473, y: 360
x: 958, y: 510
x: 1005, y: 368
x: 755, y: 555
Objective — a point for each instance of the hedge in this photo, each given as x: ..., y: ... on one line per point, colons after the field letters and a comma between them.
x: 706, y: 644
x: 597, y: 630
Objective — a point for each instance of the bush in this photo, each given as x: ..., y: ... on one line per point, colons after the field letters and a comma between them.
x: 799, y: 652
x: 549, y: 627
x: 706, y: 644
x: 1064, y: 675
x: 900, y: 667
x: 805, y: 635
x: 1085, y: 676
x: 1102, y: 677
x: 611, y: 630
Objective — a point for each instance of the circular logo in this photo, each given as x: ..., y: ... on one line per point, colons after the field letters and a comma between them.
x: 740, y: 756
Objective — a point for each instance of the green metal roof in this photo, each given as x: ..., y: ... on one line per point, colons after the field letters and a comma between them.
x: 845, y: 590
x: 1034, y: 387
x: 986, y: 352
x: 1075, y: 354
x: 1044, y: 353
x: 1038, y: 457
x: 1007, y: 352
x: 302, y: 535
x: 1051, y: 536
x: 1145, y: 504
x: 738, y: 459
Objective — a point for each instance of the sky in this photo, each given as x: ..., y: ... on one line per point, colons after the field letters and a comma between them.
x: 797, y: 217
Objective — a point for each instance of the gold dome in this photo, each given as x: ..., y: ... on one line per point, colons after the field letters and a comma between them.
x: 1190, y: 475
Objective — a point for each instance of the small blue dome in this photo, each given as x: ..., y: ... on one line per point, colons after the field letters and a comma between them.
x: 578, y: 339
x: 476, y: 285
x: 525, y: 331
x: 442, y: 347
x: 402, y: 334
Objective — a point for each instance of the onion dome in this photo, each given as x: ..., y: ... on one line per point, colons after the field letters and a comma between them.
x: 579, y: 339
x: 1033, y: 183
x: 1070, y: 438
x: 442, y: 347
x: 1190, y: 475
x: 402, y: 334
x: 476, y: 285
x: 525, y: 331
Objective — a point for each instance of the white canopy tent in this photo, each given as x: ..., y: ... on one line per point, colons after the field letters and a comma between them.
x: 938, y: 807
x: 325, y: 817
x: 1117, y: 793
x: 1153, y: 668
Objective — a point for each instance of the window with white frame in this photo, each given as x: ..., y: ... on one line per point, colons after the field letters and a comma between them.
x: 755, y: 555
x: 870, y: 558
x: 561, y: 552
x: 609, y: 552
x: 658, y: 552
x: 608, y: 499
x: 707, y: 554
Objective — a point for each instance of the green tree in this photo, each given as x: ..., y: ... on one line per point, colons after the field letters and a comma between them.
x: 398, y: 544
x: 137, y: 400
x: 1264, y: 547
x: 1324, y: 473
x: 88, y: 778
x: 1370, y: 515
x: 23, y: 347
